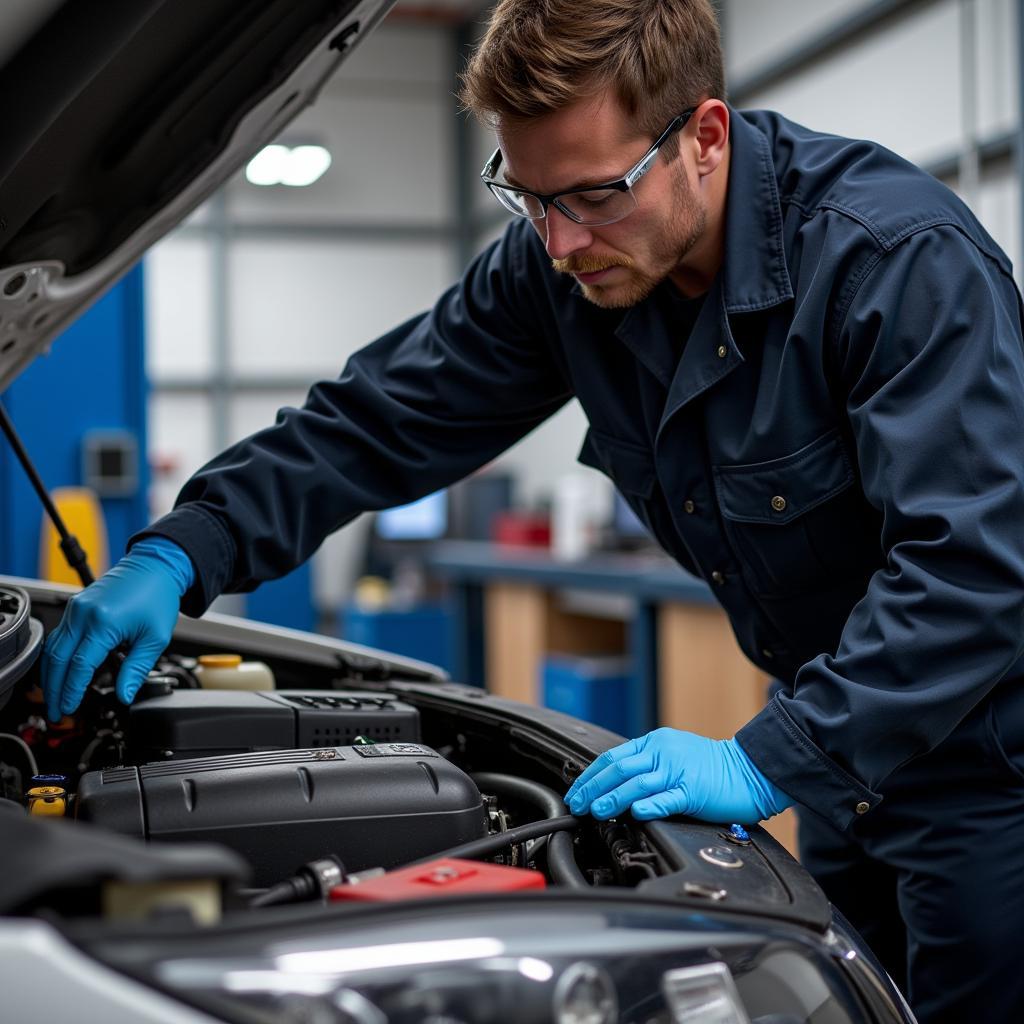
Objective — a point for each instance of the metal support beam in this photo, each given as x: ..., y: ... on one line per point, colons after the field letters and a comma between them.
x: 220, y: 375
x: 1019, y: 141
x: 869, y: 19
x: 988, y: 151
x: 214, y: 387
x: 405, y: 233
x: 969, y: 172
x: 462, y: 154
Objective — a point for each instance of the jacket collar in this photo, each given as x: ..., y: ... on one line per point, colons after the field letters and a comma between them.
x: 753, y: 277
x: 754, y: 274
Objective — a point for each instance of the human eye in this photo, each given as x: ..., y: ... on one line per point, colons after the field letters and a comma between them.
x: 596, y: 197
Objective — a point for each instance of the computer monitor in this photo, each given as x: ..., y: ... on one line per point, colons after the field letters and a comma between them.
x: 426, y: 519
x: 627, y: 529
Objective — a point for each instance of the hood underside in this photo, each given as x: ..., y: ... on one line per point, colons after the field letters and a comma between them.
x: 122, y: 116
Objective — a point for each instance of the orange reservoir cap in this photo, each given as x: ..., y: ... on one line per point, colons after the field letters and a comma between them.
x: 443, y: 877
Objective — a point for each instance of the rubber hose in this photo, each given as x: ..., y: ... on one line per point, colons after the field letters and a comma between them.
x: 561, y: 861
x: 291, y: 890
x: 488, y: 845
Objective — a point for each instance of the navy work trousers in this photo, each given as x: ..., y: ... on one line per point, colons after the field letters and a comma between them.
x: 933, y: 877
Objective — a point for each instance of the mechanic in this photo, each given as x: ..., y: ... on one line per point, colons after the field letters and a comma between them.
x: 801, y: 361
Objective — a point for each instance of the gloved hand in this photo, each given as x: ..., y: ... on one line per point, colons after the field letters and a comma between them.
x: 135, y: 603
x: 673, y: 772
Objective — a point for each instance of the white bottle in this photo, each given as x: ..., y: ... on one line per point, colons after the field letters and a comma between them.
x: 229, y: 672
x: 571, y: 518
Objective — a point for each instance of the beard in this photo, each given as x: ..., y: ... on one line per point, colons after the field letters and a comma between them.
x: 663, y: 254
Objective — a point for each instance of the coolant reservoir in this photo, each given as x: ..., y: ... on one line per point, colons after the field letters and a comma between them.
x: 229, y: 672
x: 50, y: 801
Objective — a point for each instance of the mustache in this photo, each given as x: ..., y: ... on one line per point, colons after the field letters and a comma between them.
x: 588, y: 263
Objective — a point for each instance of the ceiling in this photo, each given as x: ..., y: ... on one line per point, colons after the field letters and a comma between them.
x: 443, y: 11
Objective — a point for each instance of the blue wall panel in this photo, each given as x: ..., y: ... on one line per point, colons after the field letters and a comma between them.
x: 286, y: 601
x: 94, y: 378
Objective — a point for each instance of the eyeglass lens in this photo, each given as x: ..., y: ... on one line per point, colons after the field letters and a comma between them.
x: 599, y: 206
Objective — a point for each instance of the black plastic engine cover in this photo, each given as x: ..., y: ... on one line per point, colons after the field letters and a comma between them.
x: 204, y: 723
x: 376, y: 805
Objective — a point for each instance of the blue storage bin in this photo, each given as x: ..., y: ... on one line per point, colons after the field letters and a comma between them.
x: 423, y: 632
x: 596, y: 689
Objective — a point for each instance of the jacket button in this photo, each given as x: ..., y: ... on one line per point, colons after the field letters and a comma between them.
x: 689, y: 508
x: 863, y: 807
x: 718, y: 577
x: 779, y: 503
x: 722, y: 351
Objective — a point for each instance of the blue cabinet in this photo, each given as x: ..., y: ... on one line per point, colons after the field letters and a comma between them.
x: 602, y: 690
x: 423, y: 632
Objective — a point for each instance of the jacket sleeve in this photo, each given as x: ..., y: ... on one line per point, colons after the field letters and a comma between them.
x: 931, y: 370
x: 417, y: 409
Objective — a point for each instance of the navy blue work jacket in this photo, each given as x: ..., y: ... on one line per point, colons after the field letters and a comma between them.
x: 837, y: 446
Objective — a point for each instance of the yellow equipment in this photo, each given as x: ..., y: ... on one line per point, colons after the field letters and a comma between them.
x: 82, y: 514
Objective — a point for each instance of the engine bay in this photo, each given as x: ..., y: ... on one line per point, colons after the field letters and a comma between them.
x: 282, y: 778
x: 257, y: 768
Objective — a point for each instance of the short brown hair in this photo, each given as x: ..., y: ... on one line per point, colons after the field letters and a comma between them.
x: 539, y: 56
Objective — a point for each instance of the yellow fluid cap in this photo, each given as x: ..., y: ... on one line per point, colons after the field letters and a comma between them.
x: 220, y: 660
x: 46, y: 791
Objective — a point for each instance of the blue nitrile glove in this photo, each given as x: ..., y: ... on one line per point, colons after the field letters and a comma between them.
x: 135, y: 603
x: 673, y: 772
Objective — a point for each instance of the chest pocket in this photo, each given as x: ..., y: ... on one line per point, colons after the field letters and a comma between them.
x: 798, y: 524
x: 630, y: 466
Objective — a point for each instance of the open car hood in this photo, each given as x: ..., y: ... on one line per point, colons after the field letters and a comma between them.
x: 122, y: 116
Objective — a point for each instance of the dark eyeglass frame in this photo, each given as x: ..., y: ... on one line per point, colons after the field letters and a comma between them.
x: 623, y: 184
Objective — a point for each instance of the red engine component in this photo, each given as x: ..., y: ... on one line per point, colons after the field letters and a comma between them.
x: 443, y: 877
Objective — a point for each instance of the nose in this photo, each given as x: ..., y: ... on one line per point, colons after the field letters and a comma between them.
x: 562, y: 236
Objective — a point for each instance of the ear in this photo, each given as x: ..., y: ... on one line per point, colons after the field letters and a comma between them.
x: 710, y: 127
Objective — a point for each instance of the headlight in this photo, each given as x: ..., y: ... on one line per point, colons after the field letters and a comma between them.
x: 587, y: 962
x: 585, y: 994
x: 704, y: 993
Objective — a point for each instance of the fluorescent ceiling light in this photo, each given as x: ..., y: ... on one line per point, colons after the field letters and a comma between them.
x: 305, y: 164
x: 266, y: 167
x: 296, y: 166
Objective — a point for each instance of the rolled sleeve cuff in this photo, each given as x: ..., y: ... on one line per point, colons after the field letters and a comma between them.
x: 794, y: 763
x: 208, y: 542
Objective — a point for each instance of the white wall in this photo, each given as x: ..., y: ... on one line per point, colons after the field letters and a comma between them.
x: 759, y: 33
x: 916, y: 85
x: 297, y: 289
x: 998, y: 208
x: 876, y: 90
x: 180, y: 440
x: 998, y: 97
x: 302, y: 306
x: 391, y: 148
x: 179, y: 309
